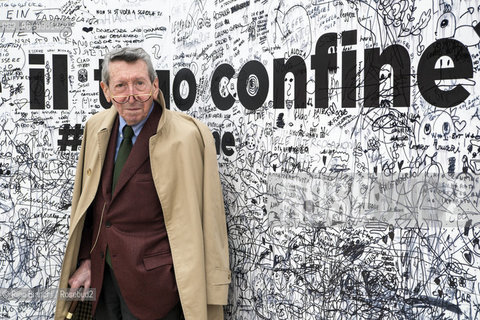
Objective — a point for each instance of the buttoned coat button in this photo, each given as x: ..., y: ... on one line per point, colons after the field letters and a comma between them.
x: 89, y: 172
x: 108, y: 224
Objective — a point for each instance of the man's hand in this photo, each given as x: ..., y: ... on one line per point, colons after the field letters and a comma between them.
x: 81, y: 276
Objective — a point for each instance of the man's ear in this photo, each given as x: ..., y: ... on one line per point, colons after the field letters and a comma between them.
x: 106, y: 91
x: 155, y: 88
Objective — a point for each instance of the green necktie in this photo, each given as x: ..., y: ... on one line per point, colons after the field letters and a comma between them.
x: 122, y: 155
x: 123, y: 152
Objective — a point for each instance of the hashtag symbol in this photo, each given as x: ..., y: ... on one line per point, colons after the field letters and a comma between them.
x: 67, y: 132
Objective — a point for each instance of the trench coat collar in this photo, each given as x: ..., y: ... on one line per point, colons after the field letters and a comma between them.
x: 166, y: 115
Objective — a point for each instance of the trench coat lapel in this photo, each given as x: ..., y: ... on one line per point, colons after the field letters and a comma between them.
x: 96, y: 161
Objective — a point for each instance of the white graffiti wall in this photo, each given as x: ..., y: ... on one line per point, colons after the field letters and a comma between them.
x: 347, y: 132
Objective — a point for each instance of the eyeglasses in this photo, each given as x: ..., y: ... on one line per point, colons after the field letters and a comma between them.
x: 142, y: 97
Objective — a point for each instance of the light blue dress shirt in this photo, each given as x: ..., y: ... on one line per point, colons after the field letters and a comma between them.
x: 136, y: 130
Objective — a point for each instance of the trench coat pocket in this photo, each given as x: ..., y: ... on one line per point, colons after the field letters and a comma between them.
x: 221, y: 276
x: 156, y: 260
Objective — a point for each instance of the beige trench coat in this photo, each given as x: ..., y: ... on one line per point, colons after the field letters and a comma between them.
x: 189, y: 190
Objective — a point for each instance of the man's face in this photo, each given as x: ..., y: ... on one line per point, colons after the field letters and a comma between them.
x: 128, y: 78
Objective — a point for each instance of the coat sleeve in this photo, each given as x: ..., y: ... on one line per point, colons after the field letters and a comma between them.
x: 214, y: 226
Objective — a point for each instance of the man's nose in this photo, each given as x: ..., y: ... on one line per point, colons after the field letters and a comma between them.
x: 131, y: 96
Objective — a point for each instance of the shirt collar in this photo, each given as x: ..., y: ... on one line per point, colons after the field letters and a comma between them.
x: 137, y: 127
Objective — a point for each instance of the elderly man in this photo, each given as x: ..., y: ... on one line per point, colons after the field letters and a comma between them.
x: 147, y: 227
